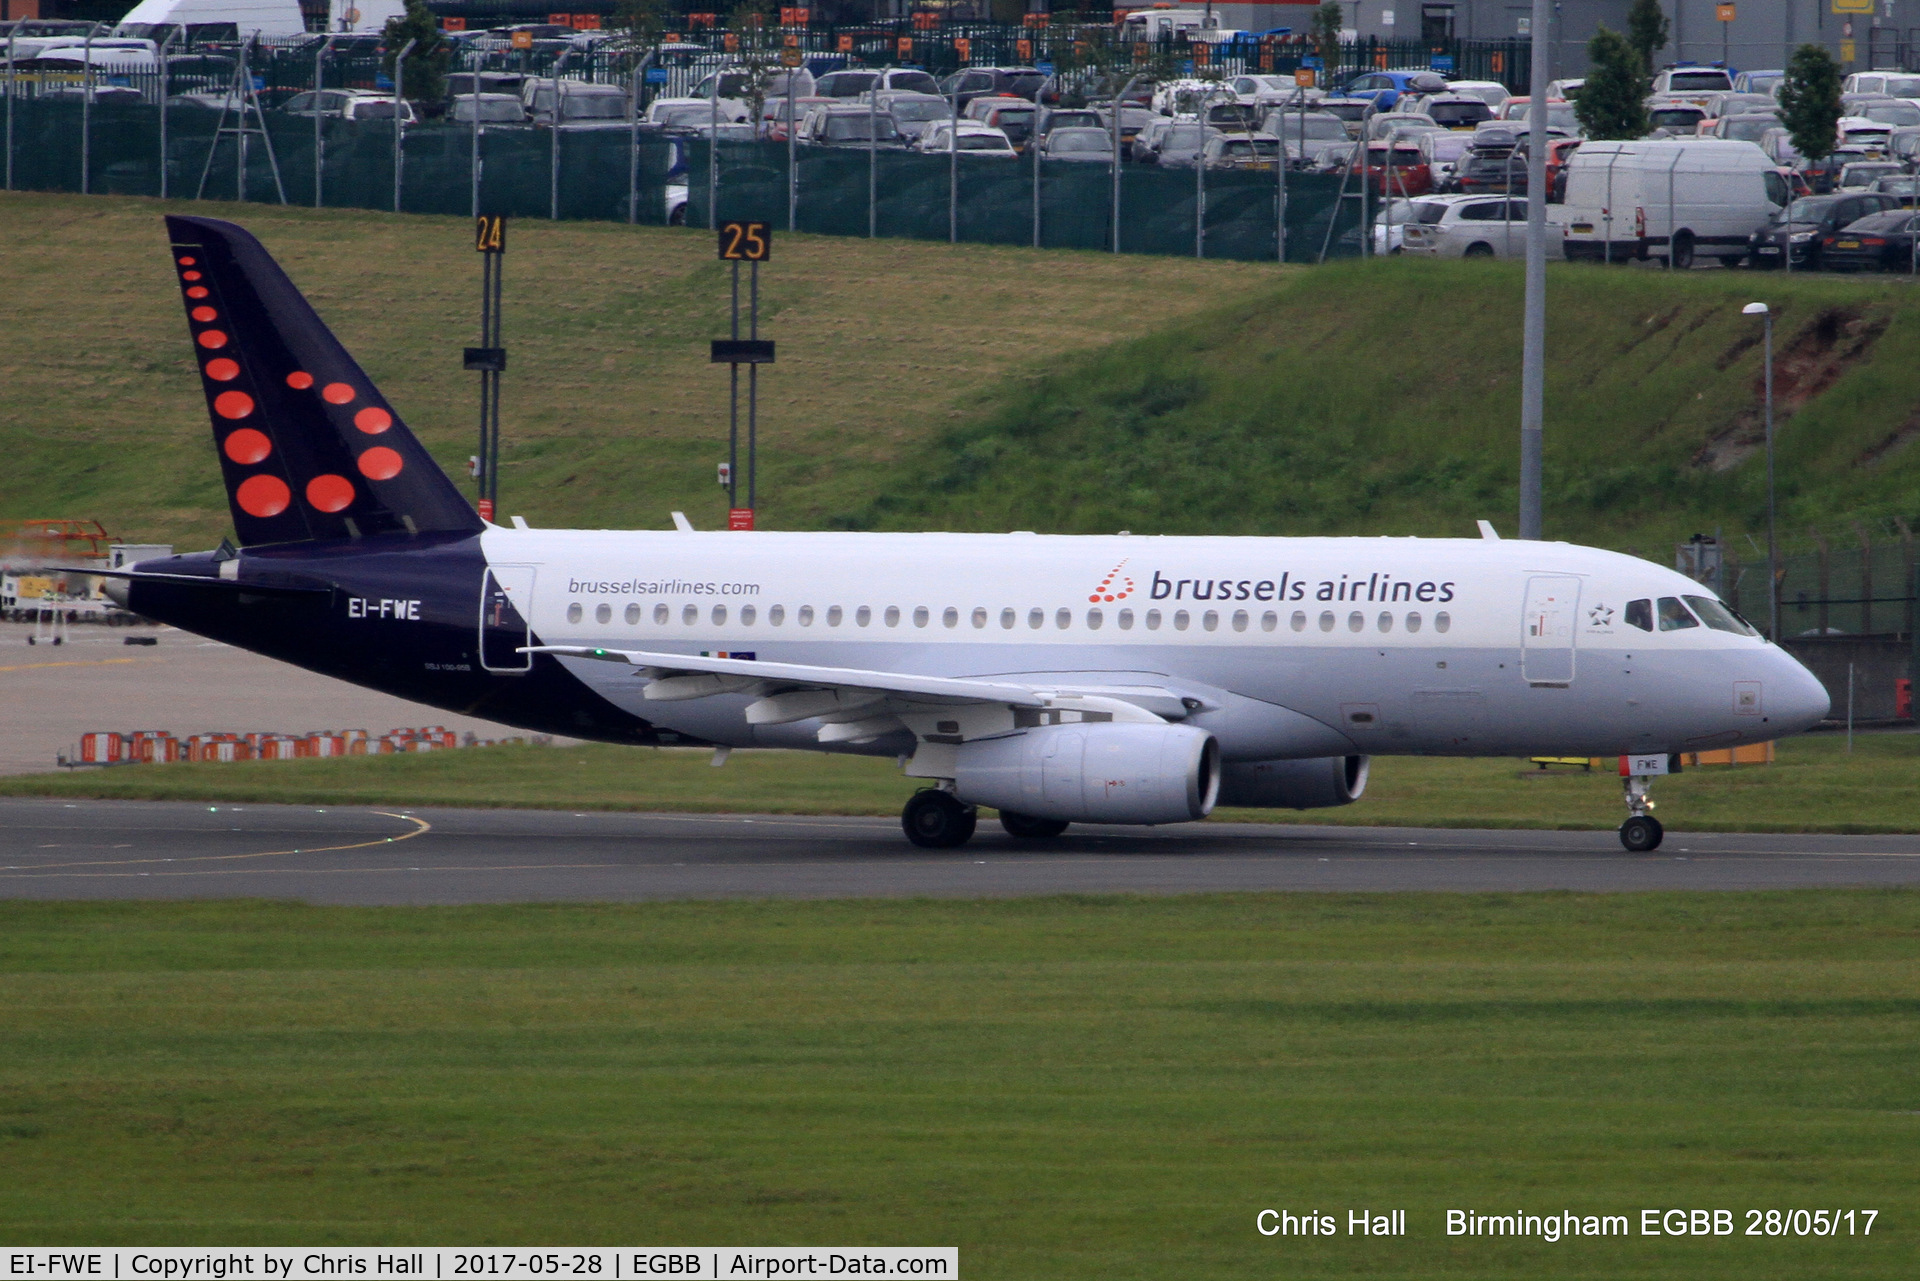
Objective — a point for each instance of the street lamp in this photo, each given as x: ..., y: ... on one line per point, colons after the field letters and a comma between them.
x: 1773, y: 560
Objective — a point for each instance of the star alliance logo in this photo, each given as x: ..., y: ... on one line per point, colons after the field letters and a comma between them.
x: 1600, y: 616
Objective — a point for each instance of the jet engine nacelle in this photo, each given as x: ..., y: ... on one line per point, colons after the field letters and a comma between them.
x: 1294, y: 785
x: 1118, y: 772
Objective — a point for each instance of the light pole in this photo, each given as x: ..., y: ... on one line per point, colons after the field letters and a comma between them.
x: 1119, y: 105
x: 1033, y: 145
x: 1773, y: 561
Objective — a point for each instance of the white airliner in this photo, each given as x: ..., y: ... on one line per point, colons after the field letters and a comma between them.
x: 1114, y: 679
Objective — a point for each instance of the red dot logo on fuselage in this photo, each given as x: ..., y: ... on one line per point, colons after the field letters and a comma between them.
x: 1115, y: 586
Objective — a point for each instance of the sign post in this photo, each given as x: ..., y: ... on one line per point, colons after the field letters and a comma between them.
x: 751, y: 243
x: 489, y: 358
x: 1724, y: 13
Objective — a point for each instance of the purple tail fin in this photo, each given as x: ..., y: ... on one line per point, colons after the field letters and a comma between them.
x: 309, y: 447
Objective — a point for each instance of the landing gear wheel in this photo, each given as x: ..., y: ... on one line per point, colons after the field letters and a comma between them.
x: 935, y: 820
x: 1032, y: 828
x: 1641, y: 834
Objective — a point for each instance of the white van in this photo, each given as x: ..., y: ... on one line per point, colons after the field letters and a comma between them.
x: 1677, y: 198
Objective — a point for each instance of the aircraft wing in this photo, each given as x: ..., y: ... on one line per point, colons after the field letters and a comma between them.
x: 856, y: 706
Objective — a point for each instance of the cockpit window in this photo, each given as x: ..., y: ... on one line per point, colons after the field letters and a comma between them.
x: 1674, y: 616
x: 1640, y: 614
x: 1719, y: 617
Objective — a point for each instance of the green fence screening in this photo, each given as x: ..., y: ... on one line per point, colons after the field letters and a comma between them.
x: 602, y: 175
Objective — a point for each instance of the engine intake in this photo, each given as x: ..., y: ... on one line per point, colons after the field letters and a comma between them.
x: 1312, y: 784
x: 1094, y: 773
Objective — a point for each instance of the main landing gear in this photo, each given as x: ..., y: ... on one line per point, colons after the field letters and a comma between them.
x: 936, y: 820
x: 1641, y: 833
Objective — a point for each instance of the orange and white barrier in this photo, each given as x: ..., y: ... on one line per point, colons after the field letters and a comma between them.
x: 102, y: 748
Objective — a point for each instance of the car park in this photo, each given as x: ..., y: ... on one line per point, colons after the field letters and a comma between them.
x: 1444, y: 153
x: 1881, y: 109
x: 968, y: 138
x: 852, y: 83
x: 1560, y: 115
x: 970, y: 83
x: 1383, y: 88
x: 1180, y: 145
x: 461, y: 84
x: 1350, y: 111
x: 1748, y: 127
x: 1670, y: 117
x: 1051, y: 118
x: 1132, y: 121
x: 778, y: 114
x: 1878, y: 242
x: 1011, y: 116
x: 1892, y: 84
x: 1804, y: 224
x: 1464, y: 226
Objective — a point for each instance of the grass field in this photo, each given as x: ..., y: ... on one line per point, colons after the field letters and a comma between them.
x: 1064, y: 1088
x: 925, y: 385
x: 612, y: 415
x: 1814, y: 786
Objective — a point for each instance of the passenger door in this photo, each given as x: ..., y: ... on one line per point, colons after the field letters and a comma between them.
x: 506, y: 605
x: 1547, y: 631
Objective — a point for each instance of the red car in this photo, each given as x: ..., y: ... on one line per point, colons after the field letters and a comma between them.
x: 1406, y: 173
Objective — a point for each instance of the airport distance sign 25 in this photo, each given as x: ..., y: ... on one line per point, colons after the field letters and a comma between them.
x: 746, y: 242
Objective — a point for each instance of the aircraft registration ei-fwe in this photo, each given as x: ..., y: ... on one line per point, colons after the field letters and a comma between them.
x: 1057, y: 679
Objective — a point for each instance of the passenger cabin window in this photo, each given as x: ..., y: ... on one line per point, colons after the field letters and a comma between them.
x: 1640, y: 614
x: 1674, y: 616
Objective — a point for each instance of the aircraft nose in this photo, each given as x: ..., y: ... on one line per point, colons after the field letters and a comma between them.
x: 1799, y: 701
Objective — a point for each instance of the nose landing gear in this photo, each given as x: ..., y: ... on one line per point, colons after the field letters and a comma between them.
x: 1641, y: 832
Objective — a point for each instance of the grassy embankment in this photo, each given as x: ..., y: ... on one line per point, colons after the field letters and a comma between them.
x: 923, y: 385
x: 1814, y: 786
x: 1064, y: 1088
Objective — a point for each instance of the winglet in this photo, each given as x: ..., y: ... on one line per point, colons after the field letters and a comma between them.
x: 1486, y: 531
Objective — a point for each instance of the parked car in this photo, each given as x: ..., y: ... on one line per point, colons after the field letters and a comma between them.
x: 1905, y: 186
x: 1242, y: 151
x: 1864, y: 175
x: 1384, y: 88
x: 1449, y: 110
x: 1560, y: 117
x: 965, y: 136
x: 1767, y: 82
x: 1805, y: 223
x: 1859, y: 133
x: 853, y: 83
x: 912, y: 111
x: 1388, y: 123
x: 487, y: 109
x: 1444, y: 152
x: 1673, y: 117
x: 777, y: 114
x: 1491, y: 92
x: 1877, y: 242
x: 1052, y: 118
x: 1132, y: 121
x: 734, y: 83
x: 347, y: 104
x: 1473, y: 227
x: 583, y: 106
x: 1180, y: 145
x: 460, y: 83
x: 1390, y: 224
x: 848, y: 125
x: 1078, y: 142
x: 1894, y: 84
x: 1691, y: 82
x: 1398, y: 169
x: 1749, y: 126
x: 977, y: 82
x: 1678, y: 198
x: 1307, y: 133
x: 1487, y: 172
x: 1350, y: 111
x: 1011, y: 116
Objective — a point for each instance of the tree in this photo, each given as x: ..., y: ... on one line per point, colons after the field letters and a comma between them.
x: 1325, y: 31
x: 1611, y: 105
x: 1810, y: 101
x: 642, y: 20
x: 426, y: 70
x: 1646, y: 31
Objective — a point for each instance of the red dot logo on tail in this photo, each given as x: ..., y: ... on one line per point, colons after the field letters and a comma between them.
x: 373, y: 420
x: 262, y: 496
x: 248, y: 447
x: 223, y: 370
x: 299, y: 380
x: 380, y: 463
x: 233, y: 404
x: 1115, y: 586
x: 330, y: 493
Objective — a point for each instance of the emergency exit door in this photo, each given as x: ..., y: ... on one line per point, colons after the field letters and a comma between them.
x: 506, y: 603
x: 1546, y: 634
